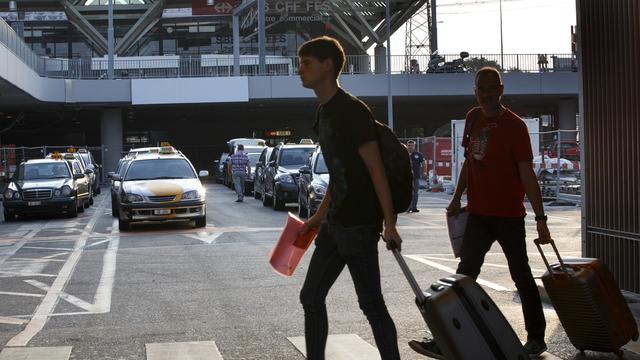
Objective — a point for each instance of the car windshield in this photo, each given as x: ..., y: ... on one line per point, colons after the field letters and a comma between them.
x: 253, y: 158
x: 321, y: 166
x: 57, y: 170
x: 296, y: 156
x: 86, y: 159
x: 159, y: 169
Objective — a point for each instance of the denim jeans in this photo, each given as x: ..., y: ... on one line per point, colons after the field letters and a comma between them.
x: 416, y: 189
x: 238, y: 183
x: 357, y: 248
x: 479, y: 235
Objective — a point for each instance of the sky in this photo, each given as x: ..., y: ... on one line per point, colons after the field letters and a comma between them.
x: 529, y: 27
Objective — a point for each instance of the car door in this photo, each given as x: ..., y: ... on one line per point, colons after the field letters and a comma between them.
x: 257, y: 181
x: 271, y: 170
x: 82, y: 184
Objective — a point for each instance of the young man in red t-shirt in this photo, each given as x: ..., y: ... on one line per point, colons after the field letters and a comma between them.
x: 497, y: 173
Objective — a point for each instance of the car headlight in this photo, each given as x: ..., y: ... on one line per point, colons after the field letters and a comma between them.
x: 66, y: 190
x: 285, y: 178
x: 319, y: 190
x: 191, y: 195
x: 134, y: 198
x: 8, y: 194
x: 16, y: 196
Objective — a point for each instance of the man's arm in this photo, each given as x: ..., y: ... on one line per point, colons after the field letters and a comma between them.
x: 317, y: 218
x: 454, y: 205
x: 531, y: 188
x: 370, y: 154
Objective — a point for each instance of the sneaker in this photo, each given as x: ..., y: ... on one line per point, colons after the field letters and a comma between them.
x: 427, y: 348
x: 239, y: 200
x: 416, y: 210
x: 535, y: 348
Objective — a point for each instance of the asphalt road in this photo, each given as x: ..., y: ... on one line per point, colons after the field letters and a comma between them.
x: 81, y: 286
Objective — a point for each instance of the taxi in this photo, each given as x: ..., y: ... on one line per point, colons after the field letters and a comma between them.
x: 46, y: 186
x: 159, y: 187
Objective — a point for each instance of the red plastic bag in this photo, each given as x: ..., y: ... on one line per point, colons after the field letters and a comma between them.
x: 290, y: 248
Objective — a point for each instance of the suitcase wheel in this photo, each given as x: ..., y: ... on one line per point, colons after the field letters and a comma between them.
x: 619, y: 353
x: 635, y: 337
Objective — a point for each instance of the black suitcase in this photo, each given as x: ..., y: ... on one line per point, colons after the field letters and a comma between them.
x: 464, y: 321
x: 589, y: 303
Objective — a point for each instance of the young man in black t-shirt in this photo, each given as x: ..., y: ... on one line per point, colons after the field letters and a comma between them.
x: 351, y: 214
x: 419, y: 166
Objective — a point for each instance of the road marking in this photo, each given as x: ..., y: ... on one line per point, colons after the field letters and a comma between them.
x: 194, y: 350
x: 43, y: 311
x: 483, y: 264
x: 54, y: 255
x: 204, y: 237
x: 434, y: 264
x: 102, y: 300
x: 63, y: 295
x: 11, y: 321
x: 25, y: 274
x: 97, y: 243
x: 45, y: 248
x: 34, y: 259
x: 20, y: 294
x: 36, y: 353
x: 342, y: 347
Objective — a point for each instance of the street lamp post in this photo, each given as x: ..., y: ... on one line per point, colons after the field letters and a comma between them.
x: 110, y: 40
x: 389, y: 96
x: 501, y: 43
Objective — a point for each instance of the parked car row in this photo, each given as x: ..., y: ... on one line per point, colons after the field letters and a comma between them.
x: 157, y: 184
x: 283, y: 174
x: 61, y: 183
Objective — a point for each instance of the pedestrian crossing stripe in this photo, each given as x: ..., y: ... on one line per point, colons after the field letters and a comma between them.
x: 36, y: 353
x: 342, y: 347
x: 194, y: 350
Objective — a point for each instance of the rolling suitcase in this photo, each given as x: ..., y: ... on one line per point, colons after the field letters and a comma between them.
x: 589, y: 303
x: 465, y: 323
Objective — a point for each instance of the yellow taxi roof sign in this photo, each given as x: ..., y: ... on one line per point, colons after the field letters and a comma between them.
x: 56, y: 156
x: 306, y: 141
x: 165, y: 144
x: 168, y: 150
x: 71, y: 150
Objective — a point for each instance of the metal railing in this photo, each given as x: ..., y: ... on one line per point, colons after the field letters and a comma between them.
x: 213, y: 65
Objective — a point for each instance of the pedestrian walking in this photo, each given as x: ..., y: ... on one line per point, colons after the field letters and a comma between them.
x: 496, y: 174
x: 419, y: 166
x: 351, y: 214
x: 239, y: 167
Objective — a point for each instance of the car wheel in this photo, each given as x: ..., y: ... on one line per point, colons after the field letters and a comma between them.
x: 114, y: 210
x: 81, y: 207
x: 73, y: 212
x: 277, y: 203
x: 201, y: 222
x: 88, y: 203
x: 266, y: 200
x: 256, y: 194
x: 303, y: 212
x: 8, y: 216
x: 98, y: 190
x: 124, y: 225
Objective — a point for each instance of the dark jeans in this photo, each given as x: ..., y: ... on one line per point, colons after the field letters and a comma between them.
x: 416, y: 189
x: 357, y: 248
x: 479, y: 235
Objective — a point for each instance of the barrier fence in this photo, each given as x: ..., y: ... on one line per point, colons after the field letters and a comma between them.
x: 559, y: 186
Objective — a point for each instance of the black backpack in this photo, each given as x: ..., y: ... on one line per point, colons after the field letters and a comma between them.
x: 397, y: 166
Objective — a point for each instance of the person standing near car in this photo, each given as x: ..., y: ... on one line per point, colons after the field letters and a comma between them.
x: 351, y: 214
x: 240, y: 167
x: 497, y: 173
x: 419, y: 166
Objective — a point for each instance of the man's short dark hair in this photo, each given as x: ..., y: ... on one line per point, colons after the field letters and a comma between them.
x: 240, y: 147
x: 488, y: 70
x: 411, y: 142
x: 323, y: 48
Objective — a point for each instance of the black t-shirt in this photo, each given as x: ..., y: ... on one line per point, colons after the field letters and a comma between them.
x: 343, y: 125
x: 416, y: 163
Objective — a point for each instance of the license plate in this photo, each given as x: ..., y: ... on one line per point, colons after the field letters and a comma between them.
x: 162, y: 212
x: 35, y: 203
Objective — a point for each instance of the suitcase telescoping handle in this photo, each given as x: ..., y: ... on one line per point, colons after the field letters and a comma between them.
x: 544, y: 258
x: 420, y: 297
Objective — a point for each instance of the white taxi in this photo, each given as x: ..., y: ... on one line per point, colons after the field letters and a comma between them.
x: 158, y: 187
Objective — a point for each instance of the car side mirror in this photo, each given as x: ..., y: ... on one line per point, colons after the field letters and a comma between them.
x: 116, y: 177
x: 203, y: 173
x: 110, y: 174
x: 88, y: 171
x: 78, y: 176
x: 305, y: 170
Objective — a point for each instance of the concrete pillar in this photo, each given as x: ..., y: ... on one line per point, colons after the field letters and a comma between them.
x: 567, y: 111
x: 111, y: 138
x: 381, y: 59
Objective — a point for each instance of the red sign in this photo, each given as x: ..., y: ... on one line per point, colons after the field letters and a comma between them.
x: 219, y: 7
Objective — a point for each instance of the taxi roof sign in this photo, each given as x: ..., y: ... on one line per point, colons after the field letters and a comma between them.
x: 56, y: 156
x: 69, y: 156
x: 306, y: 142
x: 168, y: 150
x: 71, y: 150
x: 82, y: 151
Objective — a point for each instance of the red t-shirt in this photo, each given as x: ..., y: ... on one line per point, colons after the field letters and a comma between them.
x: 494, y: 148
